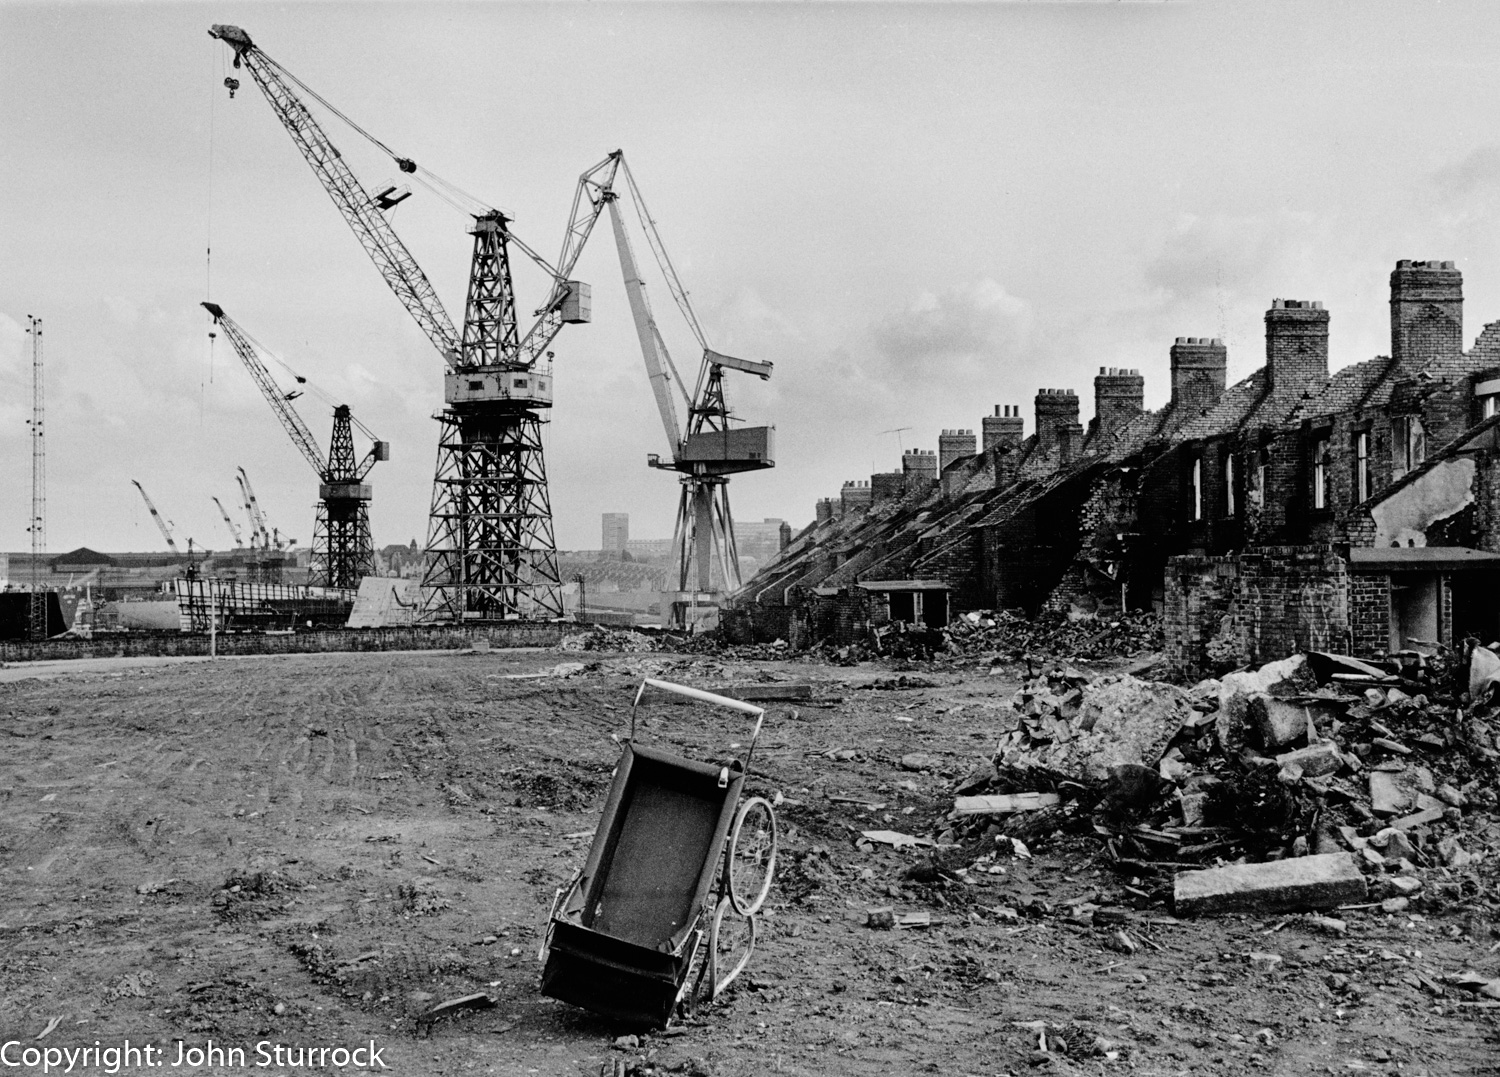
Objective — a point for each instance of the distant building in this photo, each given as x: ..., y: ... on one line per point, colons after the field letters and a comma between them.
x: 761, y: 539
x: 649, y: 549
x: 616, y: 538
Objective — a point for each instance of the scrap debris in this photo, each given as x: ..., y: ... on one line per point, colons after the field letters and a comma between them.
x: 1312, y: 782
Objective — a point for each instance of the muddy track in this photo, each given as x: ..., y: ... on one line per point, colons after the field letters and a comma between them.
x: 315, y: 849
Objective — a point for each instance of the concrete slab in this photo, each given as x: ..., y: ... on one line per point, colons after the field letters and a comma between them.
x: 1315, y: 760
x: 1388, y: 796
x: 1304, y: 882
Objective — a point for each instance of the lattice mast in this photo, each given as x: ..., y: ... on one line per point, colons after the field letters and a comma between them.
x: 342, y: 550
x: 37, y: 622
x: 491, y: 553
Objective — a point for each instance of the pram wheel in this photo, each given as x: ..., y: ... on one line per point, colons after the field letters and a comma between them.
x: 729, y: 946
x: 751, y: 860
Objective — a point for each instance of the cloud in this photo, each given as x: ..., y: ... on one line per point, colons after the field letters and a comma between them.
x: 1226, y: 253
x: 967, y: 324
x: 1478, y: 172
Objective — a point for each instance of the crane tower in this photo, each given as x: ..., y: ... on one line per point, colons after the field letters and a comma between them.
x: 491, y: 551
x: 709, y: 450
x: 342, y: 551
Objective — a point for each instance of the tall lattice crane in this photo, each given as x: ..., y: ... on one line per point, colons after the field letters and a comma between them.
x: 234, y: 531
x: 708, y: 451
x: 161, y: 521
x: 342, y: 551
x: 490, y: 546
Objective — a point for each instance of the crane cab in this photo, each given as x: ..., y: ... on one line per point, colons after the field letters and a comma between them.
x: 487, y: 384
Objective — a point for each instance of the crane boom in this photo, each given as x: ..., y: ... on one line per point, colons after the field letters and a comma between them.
x: 166, y: 531
x: 358, y: 208
x: 653, y: 348
x: 301, y: 436
x: 252, y: 506
x: 239, y: 541
x: 595, y: 188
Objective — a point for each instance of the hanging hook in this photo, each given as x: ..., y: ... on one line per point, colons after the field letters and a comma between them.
x: 232, y: 83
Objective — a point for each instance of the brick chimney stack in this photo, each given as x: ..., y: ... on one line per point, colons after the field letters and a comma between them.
x: 1119, y: 396
x: 1005, y: 427
x: 954, y: 445
x: 855, y: 497
x: 1427, y: 313
x: 826, y: 510
x: 920, y: 466
x: 1296, y: 346
x: 1056, y: 412
x: 1200, y: 366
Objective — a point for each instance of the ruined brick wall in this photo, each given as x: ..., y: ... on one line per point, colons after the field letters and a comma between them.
x: 955, y: 560
x: 1197, y: 596
x: 1255, y: 607
x: 1369, y: 614
x: 1486, y: 500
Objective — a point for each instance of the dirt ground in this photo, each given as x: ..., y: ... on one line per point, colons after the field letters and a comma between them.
x: 313, y: 850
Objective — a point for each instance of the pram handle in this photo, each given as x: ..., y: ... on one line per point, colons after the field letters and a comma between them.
x: 703, y: 697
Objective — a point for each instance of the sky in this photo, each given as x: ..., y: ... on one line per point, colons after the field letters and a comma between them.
x: 916, y: 212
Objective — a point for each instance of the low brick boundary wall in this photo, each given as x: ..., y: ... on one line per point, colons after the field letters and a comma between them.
x: 406, y: 638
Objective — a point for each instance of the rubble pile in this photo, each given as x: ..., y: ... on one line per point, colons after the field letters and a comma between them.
x: 1383, y: 772
x: 601, y: 638
x: 1004, y: 636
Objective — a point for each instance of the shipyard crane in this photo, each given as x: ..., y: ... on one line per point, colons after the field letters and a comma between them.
x: 252, y: 513
x: 342, y: 550
x: 491, y: 551
x: 707, y: 451
x: 161, y: 521
x: 234, y: 531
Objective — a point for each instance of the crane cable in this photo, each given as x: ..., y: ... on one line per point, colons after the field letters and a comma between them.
x: 451, y: 193
x: 312, y: 387
x: 663, y: 261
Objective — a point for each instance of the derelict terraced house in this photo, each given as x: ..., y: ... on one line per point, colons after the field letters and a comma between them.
x: 1246, y: 513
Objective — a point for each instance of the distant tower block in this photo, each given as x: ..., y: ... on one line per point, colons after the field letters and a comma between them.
x: 1056, y: 415
x: 1199, y: 368
x: 954, y: 445
x: 1427, y: 312
x: 1119, y: 396
x: 1005, y: 427
x: 616, y: 533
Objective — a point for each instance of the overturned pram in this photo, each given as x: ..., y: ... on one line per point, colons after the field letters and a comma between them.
x: 663, y: 913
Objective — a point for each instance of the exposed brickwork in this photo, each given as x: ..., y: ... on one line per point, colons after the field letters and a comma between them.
x: 887, y: 486
x: 855, y: 497
x: 955, y: 444
x: 1296, y: 347
x: 1199, y: 370
x: 1370, y: 613
x: 1056, y: 409
x: 1256, y: 606
x: 1119, y: 396
x: 1005, y: 427
x: 1427, y: 313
